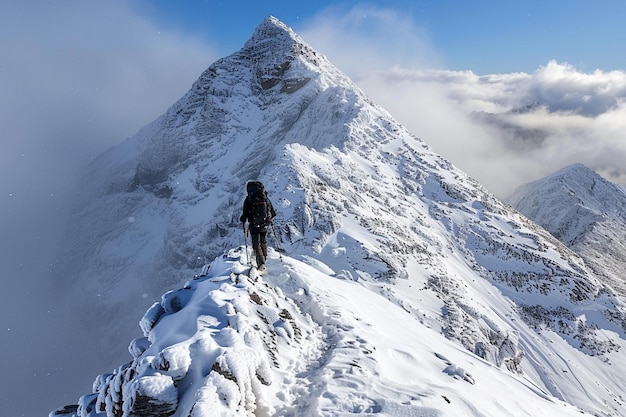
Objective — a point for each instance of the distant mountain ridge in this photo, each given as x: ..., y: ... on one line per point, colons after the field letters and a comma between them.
x: 584, y: 211
x: 360, y: 198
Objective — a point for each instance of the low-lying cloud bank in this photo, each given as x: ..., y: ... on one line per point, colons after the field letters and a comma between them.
x: 508, y: 129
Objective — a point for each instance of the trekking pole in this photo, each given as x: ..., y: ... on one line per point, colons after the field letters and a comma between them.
x: 280, y: 249
x: 245, y: 238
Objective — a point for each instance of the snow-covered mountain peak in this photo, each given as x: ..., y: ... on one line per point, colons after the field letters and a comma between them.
x: 272, y: 35
x: 584, y: 211
x: 575, y: 194
x: 272, y: 29
x: 358, y: 197
x: 273, y: 42
x: 177, y: 186
x: 591, y: 189
x: 244, y: 115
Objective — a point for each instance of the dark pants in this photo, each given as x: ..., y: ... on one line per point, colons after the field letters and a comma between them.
x: 258, y: 238
x: 259, y: 245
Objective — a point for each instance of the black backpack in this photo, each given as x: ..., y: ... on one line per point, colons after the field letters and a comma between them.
x: 259, y: 212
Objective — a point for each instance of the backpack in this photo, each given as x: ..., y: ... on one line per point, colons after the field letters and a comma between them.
x: 259, y: 213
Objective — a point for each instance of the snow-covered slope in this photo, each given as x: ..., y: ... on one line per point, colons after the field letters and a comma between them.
x: 300, y: 342
x: 370, y: 205
x: 584, y: 211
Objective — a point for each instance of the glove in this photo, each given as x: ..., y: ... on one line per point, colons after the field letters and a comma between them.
x: 242, y: 219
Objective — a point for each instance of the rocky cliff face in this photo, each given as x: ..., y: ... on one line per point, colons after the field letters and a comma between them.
x: 358, y: 196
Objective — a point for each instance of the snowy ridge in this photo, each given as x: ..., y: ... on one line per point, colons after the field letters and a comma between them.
x: 584, y: 211
x: 364, y: 201
x: 299, y: 342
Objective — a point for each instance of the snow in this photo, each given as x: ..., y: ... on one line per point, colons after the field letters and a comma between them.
x: 299, y: 341
x: 405, y: 288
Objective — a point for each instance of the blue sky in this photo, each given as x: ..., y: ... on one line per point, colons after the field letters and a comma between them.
x: 486, y: 36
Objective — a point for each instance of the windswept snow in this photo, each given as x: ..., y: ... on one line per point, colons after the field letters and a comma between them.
x: 300, y: 342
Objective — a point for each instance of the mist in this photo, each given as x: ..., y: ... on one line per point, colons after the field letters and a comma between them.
x: 76, y: 78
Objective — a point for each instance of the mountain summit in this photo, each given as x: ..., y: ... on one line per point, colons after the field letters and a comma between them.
x: 390, y: 226
x: 178, y: 185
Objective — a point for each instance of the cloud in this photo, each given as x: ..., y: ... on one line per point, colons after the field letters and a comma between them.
x: 364, y: 38
x: 88, y: 74
x: 547, y: 119
x: 563, y: 88
x: 581, y: 117
x: 75, y: 78
x: 538, y: 122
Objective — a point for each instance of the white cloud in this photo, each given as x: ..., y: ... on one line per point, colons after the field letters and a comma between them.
x: 366, y: 38
x: 93, y: 69
x: 76, y: 78
x: 562, y: 87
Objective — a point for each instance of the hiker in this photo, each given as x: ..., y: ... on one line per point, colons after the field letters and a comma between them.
x: 259, y: 212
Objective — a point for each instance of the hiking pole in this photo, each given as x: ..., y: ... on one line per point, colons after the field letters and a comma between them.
x: 280, y: 249
x: 245, y: 238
